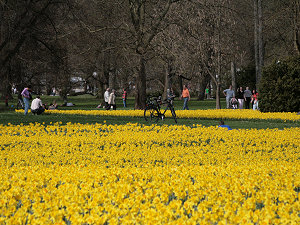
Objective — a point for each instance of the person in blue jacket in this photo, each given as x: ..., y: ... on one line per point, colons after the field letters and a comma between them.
x: 221, y: 124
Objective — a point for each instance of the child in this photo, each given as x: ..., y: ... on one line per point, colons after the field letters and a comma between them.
x: 234, y: 103
x: 221, y: 124
x: 53, y: 106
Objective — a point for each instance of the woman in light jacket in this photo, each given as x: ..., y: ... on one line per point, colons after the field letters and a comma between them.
x: 112, y: 100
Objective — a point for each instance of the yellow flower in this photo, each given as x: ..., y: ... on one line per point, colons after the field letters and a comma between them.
x: 97, y: 173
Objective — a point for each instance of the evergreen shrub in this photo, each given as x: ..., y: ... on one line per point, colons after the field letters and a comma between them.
x: 279, y: 88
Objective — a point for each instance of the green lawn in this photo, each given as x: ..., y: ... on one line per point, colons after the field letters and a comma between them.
x: 88, y: 102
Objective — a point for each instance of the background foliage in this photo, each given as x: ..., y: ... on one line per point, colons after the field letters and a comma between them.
x: 280, y: 87
x: 137, y: 44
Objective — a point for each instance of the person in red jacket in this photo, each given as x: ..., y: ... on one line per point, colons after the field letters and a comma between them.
x: 254, y: 100
x: 124, y: 97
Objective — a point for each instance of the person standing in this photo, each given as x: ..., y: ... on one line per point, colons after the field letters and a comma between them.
x: 247, y: 95
x: 53, y: 91
x: 37, y: 106
x: 124, y: 97
x: 207, y: 92
x: 26, y: 98
x: 240, y: 97
x: 170, y: 95
x: 106, y: 98
x: 112, y: 100
x: 186, y: 97
x: 229, y: 94
x: 254, y: 100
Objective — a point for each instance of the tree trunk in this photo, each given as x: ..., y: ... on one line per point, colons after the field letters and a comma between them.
x: 112, y: 78
x: 297, y: 42
x: 140, y: 97
x: 167, y: 84
x: 6, y: 88
x: 202, y: 84
x: 258, y: 40
x: 170, y: 72
x: 217, y: 85
x: 297, y: 27
x: 233, y: 76
x: 180, y: 84
x: 218, y: 100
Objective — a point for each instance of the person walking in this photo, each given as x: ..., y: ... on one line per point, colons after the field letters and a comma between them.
x: 186, y: 97
x: 106, y: 98
x: 37, y: 106
x: 229, y: 94
x: 26, y: 98
x: 240, y: 97
x: 247, y: 95
x: 112, y: 100
x: 124, y: 97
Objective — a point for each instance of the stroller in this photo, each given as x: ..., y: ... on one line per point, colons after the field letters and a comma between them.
x: 234, y: 103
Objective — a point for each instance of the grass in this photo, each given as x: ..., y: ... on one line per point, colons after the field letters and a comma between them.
x: 18, y: 118
x: 88, y: 102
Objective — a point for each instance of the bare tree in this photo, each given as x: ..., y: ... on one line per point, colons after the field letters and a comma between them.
x: 112, y: 43
x: 147, y: 19
x: 281, y: 29
x: 28, y: 38
x: 296, y: 7
x: 211, y: 41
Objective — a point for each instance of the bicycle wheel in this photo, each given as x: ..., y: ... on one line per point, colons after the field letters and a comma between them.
x: 151, y: 114
x: 173, y: 114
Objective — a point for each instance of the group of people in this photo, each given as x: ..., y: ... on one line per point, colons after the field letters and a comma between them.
x: 37, y: 107
x: 233, y: 100
x: 241, y: 97
x: 110, y: 99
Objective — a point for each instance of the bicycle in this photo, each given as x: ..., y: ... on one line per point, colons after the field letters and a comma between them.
x: 153, y: 109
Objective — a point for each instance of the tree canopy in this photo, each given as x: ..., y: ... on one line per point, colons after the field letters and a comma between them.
x: 141, y: 44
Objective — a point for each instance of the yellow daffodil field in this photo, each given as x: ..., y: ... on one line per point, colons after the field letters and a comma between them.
x: 247, y: 114
x: 138, y: 174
